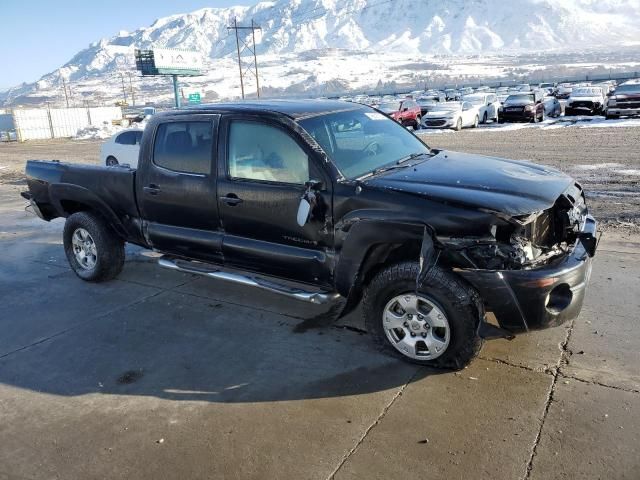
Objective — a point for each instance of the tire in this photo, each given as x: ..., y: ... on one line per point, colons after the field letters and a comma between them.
x: 612, y: 117
x: 485, y: 118
x: 501, y: 120
x: 459, y: 303
x: 418, y: 123
x: 475, y: 122
x: 542, y: 116
x: 105, y: 259
x: 111, y: 161
x: 458, y: 126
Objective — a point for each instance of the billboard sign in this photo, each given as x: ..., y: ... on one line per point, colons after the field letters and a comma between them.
x: 173, y: 59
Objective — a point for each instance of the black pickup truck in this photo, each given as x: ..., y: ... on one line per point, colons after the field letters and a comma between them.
x: 326, y: 201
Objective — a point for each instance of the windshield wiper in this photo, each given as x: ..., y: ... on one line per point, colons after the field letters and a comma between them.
x: 398, y: 164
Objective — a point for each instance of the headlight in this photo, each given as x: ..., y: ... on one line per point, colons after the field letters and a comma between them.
x: 529, y: 108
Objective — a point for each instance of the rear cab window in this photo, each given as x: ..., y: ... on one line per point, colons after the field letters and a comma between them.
x: 184, y: 147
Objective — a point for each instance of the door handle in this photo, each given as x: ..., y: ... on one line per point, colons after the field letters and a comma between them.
x: 151, y: 189
x: 231, y: 199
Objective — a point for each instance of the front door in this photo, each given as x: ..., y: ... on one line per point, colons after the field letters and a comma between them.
x: 260, y: 184
x: 176, y: 188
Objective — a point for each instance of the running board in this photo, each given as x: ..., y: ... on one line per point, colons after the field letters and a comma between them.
x: 186, y: 266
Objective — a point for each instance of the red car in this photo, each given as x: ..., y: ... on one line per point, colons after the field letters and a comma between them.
x: 407, y: 112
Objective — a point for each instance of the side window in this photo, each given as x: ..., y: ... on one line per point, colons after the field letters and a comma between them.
x: 126, y: 138
x: 184, y: 147
x: 138, y: 137
x: 261, y: 152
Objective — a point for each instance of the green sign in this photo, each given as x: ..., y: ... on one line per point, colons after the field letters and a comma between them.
x: 194, y: 98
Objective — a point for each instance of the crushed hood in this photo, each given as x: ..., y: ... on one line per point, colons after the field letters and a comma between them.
x: 507, y: 186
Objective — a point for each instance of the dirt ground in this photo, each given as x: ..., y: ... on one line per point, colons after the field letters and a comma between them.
x: 606, y: 161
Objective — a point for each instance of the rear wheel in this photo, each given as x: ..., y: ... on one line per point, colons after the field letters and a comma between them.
x: 94, y: 251
x: 434, y: 326
x: 111, y: 161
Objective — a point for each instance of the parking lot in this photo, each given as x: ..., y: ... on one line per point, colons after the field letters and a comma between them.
x: 160, y: 374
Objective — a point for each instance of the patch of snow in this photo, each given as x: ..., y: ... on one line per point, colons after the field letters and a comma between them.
x: 97, y: 132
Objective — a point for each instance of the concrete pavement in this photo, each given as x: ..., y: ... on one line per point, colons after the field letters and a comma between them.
x: 163, y: 375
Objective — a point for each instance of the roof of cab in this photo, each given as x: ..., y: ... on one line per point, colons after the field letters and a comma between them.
x: 295, y: 109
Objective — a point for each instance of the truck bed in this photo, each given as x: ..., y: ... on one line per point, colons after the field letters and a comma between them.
x: 113, y: 187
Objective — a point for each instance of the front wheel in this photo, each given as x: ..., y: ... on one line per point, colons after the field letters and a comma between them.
x: 458, y: 126
x: 94, y: 251
x: 418, y: 124
x: 475, y: 122
x: 435, y: 326
x: 485, y: 118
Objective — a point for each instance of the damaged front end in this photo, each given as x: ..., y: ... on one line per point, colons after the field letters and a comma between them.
x: 531, y: 270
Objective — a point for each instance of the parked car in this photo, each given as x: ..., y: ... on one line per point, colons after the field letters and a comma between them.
x: 406, y: 112
x: 433, y: 95
x: 586, y: 101
x: 426, y: 105
x: 625, y: 101
x: 487, y: 105
x: 122, y: 148
x: 548, y: 88
x: 552, y: 106
x: 564, y: 91
x: 523, y: 87
x: 268, y: 195
x: 523, y: 106
x: 452, y: 94
x: 454, y: 115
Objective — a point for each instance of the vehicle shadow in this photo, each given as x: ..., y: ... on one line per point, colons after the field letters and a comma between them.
x: 177, y: 346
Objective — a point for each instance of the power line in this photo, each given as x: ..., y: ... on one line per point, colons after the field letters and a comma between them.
x: 252, y: 49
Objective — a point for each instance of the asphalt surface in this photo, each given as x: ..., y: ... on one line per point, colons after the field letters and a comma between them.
x: 158, y: 374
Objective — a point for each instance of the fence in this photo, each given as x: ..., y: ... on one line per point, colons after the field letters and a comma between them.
x: 45, y: 123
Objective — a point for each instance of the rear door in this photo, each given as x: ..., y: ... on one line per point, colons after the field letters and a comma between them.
x: 261, y: 179
x: 176, y: 187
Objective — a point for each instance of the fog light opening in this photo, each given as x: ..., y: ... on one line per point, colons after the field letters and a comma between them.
x: 559, y: 298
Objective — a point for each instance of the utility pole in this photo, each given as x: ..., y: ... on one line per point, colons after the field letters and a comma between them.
x: 251, y: 68
x: 66, y: 96
x: 133, y: 95
x: 124, y: 89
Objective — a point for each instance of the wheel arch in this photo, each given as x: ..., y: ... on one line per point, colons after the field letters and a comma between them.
x: 369, y: 246
x: 68, y: 199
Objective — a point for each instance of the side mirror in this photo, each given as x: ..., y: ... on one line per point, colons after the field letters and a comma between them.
x: 308, y: 201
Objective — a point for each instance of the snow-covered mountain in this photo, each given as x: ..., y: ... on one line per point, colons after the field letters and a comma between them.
x: 296, y: 34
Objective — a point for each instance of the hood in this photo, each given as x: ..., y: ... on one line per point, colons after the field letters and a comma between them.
x: 507, y: 186
x: 518, y: 103
x: 441, y: 112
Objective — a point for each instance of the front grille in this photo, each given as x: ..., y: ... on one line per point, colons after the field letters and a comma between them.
x: 582, y: 104
x: 628, y: 105
x: 435, y: 122
x: 542, y: 229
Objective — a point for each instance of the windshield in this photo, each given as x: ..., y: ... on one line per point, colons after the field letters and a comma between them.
x: 474, y: 99
x: 360, y: 141
x: 389, y: 107
x: 631, y: 87
x: 519, y: 98
x: 586, y: 92
x: 449, y: 106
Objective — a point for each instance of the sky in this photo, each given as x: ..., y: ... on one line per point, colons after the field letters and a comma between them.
x: 38, y: 36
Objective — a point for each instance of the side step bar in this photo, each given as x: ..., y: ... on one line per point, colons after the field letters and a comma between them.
x: 319, y: 297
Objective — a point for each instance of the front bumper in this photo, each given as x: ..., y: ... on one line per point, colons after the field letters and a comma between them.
x: 543, y: 297
x: 438, y: 122
x: 623, y: 112
x: 521, y: 115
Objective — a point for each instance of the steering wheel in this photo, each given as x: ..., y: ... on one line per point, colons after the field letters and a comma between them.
x: 372, y: 149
